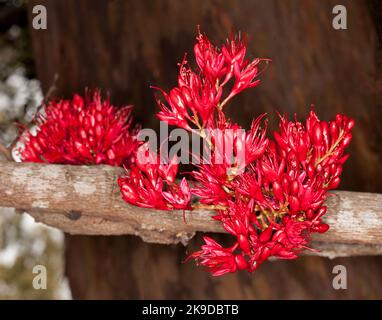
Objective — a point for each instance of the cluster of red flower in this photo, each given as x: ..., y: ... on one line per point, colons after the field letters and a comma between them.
x: 270, y: 203
x: 274, y: 204
x: 151, y: 183
x: 81, y: 131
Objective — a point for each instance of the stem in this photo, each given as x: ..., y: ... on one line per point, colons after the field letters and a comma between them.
x: 201, y: 132
x: 208, y: 206
x: 328, y: 154
x: 221, y: 105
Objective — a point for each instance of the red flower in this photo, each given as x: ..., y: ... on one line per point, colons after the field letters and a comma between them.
x: 271, y: 199
x: 256, y: 141
x: 219, y: 260
x: 81, y: 131
x: 268, y: 194
x: 151, y: 183
x: 179, y: 197
x: 211, y: 186
x: 209, y: 59
x: 199, y: 95
x: 280, y: 196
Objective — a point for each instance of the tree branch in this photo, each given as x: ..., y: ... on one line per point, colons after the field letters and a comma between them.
x: 5, y: 152
x: 86, y: 200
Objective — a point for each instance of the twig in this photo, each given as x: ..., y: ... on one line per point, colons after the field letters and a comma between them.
x: 52, y: 87
x: 6, y: 152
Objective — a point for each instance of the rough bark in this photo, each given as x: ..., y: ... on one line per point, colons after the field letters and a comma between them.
x: 124, y: 46
x: 59, y: 196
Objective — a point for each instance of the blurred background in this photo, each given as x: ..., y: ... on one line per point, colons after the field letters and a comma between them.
x: 123, y: 47
x: 23, y: 243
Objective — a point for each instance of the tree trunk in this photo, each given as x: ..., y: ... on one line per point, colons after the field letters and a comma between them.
x: 125, y: 46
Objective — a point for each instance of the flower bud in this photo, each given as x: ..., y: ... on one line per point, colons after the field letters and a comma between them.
x: 322, y: 228
x: 276, y: 236
x: 294, y: 187
x: 345, y: 142
x: 266, y: 252
x: 278, y: 191
x: 317, y: 134
x: 266, y: 235
x: 78, y: 101
x: 243, y: 243
x: 285, y: 183
x: 321, y: 212
x: 280, y: 141
x: 325, y: 133
x: 350, y: 125
x: 294, y: 204
x: 310, y: 170
x: 343, y: 159
x: 286, y: 254
x: 110, y: 154
x: 99, y: 131
x: 339, y: 118
x: 100, y: 158
x: 334, y: 183
x: 99, y: 116
x: 277, y: 247
x: 128, y: 193
x: 240, y: 261
x: 309, y: 214
x: 92, y: 121
x: 35, y: 145
x: 333, y: 128
x: 82, y: 133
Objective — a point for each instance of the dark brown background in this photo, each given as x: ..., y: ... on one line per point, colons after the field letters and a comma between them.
x: 125, y: 46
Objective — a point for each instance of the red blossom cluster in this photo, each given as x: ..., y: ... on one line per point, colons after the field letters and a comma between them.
x: 271, y: 201
x: 198, y: 99
x: 274, y: 206
x: 268, y: 193
x: 151, y: 183
x: 81, y: 131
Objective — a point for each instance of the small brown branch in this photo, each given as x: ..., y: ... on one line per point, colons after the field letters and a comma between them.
x: 48, y: 94
x: 6, y: 152
x: 86, y: 200
x: 52, y: 87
